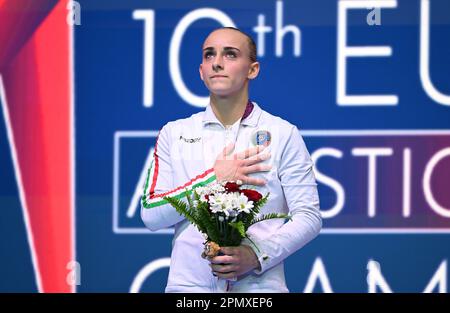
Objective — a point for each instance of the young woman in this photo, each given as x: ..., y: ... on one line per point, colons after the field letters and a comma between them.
x: 233, y: 139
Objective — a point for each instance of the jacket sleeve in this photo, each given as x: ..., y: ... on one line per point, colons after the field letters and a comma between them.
x: 300, y: 189
x: 157, y: 213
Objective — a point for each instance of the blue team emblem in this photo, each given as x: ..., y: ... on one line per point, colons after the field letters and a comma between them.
x: 262, y: 137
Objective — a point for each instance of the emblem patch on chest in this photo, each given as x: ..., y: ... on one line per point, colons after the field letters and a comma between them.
x: 261, y: 137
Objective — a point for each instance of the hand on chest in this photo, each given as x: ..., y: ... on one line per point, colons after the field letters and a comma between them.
x: 214, y: 141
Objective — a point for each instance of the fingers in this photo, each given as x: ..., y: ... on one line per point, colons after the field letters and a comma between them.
x: 250, y: 152
x: 257, y: 168
x: 230, y: 275
x: 258, y: 158
x: 223, y: 268
x: 228, y: 250
x: 224, y: 271
x: 223, y: 259
x: 253, y: 181
x: 246, y: 180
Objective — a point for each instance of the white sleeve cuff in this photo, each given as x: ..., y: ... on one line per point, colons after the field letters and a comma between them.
x: 263, y: 258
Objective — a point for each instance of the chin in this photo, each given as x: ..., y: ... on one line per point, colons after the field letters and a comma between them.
x: 222, y: 92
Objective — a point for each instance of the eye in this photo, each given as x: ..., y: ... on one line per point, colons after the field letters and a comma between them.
x: 231, y: 54
x: 208, y: 54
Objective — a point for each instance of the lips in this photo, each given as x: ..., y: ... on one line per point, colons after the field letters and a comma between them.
x: 219, y: 76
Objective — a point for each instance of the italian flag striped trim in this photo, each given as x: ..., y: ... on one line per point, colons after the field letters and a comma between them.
x: 151, y: 200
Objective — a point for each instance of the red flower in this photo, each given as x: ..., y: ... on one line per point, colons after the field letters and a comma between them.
x: 231, y: 187
x: 251, y: 194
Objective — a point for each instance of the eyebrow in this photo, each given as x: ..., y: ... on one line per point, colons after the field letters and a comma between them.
x: 224, y: 49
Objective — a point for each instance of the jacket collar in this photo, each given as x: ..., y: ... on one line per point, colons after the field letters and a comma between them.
x: 251, y: 120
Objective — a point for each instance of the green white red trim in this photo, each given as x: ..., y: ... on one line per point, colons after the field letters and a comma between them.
x: 150, y: 199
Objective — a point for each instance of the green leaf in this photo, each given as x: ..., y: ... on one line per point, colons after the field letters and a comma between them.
x: 239, y: 226
x: 188, y: 196
x: 270, y: 216
x: 182, y: 208
x: 208, y: 222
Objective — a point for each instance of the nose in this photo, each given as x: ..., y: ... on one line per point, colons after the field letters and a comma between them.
x: 217, y: 64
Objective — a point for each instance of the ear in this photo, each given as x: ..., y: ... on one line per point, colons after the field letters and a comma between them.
x: 200, y: 71
x: 253, y: 70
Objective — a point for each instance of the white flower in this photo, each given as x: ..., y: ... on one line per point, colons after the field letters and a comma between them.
x: 209, y: 190
x: 217, y: 188
x: 229, y: 204
x: 231, y: 200
x: 217, y: 202
x: 243, y: 205
x: 200, y: 190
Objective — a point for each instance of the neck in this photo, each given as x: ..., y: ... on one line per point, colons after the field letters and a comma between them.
x: 229, y: 109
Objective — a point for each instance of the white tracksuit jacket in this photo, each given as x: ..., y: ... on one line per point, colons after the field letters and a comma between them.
x: 184, y: 155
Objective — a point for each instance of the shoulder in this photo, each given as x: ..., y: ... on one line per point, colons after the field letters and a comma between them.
x: 286, y: 136
x: 288, y: 141
x: 283, y: 128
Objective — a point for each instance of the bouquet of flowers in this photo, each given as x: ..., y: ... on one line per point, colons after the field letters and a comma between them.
x: 223, y: 212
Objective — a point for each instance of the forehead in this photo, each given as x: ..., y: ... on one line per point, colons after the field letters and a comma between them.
x: 226, y: 38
